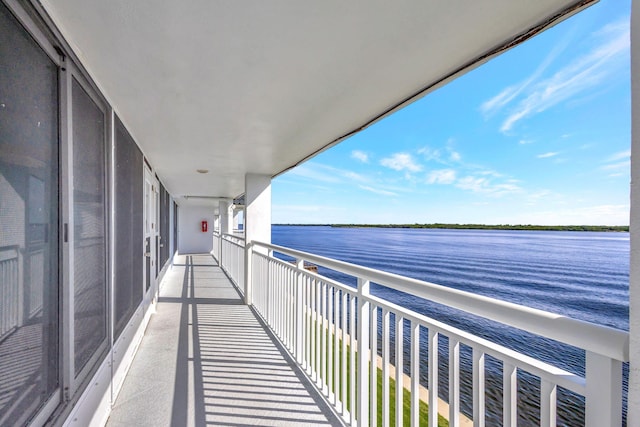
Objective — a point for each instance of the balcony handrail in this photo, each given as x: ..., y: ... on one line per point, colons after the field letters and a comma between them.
x: 603, y: 340
x: 234, y: 238
x: 562, y: 377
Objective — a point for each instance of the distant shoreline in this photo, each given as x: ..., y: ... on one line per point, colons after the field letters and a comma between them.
x: 521, y: 227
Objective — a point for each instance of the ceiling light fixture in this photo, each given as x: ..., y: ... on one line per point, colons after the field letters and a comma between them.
x: 202, y: 170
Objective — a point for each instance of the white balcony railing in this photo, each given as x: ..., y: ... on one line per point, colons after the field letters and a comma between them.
x: 330, y: 327
x: 216, y: 245
x: 232, y: 258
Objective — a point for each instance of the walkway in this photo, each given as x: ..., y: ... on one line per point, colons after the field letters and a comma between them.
x: 207, y: 360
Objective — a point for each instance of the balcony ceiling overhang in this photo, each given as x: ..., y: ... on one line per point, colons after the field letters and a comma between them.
x: 241, y: 87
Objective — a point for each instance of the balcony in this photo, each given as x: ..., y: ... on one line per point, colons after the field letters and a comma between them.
x: 288, y: 358
x: 127, y: 127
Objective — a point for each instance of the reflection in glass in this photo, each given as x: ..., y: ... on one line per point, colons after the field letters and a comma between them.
x: 129, y: 229
x: 28, y: 224
x: 89, y: 252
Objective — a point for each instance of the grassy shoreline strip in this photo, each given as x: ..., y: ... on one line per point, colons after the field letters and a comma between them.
x: 333, y: 384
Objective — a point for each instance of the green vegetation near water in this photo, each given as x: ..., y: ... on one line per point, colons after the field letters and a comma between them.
x: 334, y: 384
x: 599, y: 228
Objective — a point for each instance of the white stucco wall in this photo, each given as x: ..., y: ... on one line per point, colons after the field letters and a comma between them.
x: 190, y: 238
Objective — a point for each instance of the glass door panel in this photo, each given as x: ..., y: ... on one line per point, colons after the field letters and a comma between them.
x: 29, y: 207
x: 89, y: 229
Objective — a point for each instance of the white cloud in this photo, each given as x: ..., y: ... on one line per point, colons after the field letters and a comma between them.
x: 547, y: 155
x: 454, y: 156
x: 430, y: 154
x: 589, y: 215
x: 353, y: 176
x: 626, y: 154
x: 626, y: 164
x: 377, y: 190
x: 510, y: 93
x: 315, y: 172
x: 360, y: 156
x: 525, y: 142
x: 401, y: 161
x: 484, y: 185
x: 442, y: 176
x: 585, y: 72
x: 618, y: 163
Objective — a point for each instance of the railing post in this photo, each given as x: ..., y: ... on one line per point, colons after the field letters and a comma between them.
x: 604, y: 391
x: 363, y: 352
x: 248, y: 271
x: 299, y: 311
x: 267, y: 289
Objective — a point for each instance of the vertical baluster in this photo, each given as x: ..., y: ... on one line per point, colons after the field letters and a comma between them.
x: 433, y: 377
x: 318, y: 333
x: 373, y: 365
x: 352, y: 358
x: 343, y: 362
x: 291, y: 297
x: 268, y: 293
x: 312, y: 330
x: 509, y: 395
x: 454, y: 382
x: 548, y: 392
x: 336, y: 346
x: 293, y: 311
x: 478, y: 388
x: 399, y: 370
x: 331, y: 331
x: 385, y: 368
x: 282, y: 310
x: 323, y: 337
x: 281, y: 271
x: 299, y: 310
x: 285, y: 307
x: 274, y: 296
x: 278, y: 300
x: 308, y: 324
x: 290, y: 305
x: 415, y: 374
x: 363, y: 319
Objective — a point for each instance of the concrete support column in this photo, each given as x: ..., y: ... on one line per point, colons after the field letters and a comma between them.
x: 223, y: 219
x: 257, y: 222
x: 224, y: 216
x: 634, y: 276
x: 230, y: 218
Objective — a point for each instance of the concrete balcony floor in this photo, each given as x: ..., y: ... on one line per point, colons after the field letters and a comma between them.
x: 206, y: 359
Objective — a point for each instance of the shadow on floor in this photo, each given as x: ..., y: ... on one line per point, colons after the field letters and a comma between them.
x: 230, y: 370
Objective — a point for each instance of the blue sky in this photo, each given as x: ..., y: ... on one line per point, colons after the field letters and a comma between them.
x: 539, y: 135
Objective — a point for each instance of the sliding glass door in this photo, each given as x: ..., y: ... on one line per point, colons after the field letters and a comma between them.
x: 29, y: 225
x: 88, y: 254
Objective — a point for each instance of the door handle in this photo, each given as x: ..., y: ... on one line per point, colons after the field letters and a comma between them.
x: 147, y: 254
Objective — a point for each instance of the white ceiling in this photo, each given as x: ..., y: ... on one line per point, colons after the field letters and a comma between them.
x: 258, y: 86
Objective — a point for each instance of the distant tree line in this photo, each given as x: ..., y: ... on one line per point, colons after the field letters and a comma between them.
x: 618, y: 228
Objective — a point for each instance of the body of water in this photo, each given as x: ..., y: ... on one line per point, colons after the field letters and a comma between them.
x: 584, y: 275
